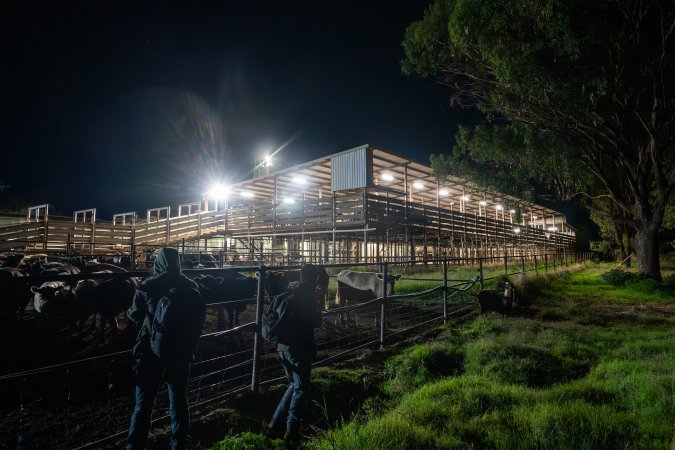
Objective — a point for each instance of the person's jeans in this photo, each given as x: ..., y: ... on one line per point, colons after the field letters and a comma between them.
x: 298, y: 366
x: 148, y: 380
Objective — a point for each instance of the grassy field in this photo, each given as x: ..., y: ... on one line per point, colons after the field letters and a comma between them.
x: 586, y: 362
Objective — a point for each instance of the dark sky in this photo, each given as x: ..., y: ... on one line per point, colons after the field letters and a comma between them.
x: 129, y: 106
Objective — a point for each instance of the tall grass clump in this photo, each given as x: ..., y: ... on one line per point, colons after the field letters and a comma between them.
x: 421, y: 364
x: 616, y: 277
x: 516, y: 363
x: 249, y: 441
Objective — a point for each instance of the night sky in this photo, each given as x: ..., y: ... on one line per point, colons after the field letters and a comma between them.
x: 129, y: 106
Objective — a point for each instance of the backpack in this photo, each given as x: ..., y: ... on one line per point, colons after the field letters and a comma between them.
x: 277, y: 321
x: 177, y: 324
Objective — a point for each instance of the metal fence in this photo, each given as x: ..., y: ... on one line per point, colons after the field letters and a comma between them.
x: 80, y: 395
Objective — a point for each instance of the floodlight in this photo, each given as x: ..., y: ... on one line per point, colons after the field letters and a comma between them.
x: 387, y: 177
x: 516, y: 230
x: 498, y: 207
x: 247, y: 194
x: 465, y: 198
x: 268, y: 160
x: 483, y: 203
x: 218, y: 191
x: 299, y: 180
x: 418, y: 185
x: 443, y: 193
x: 289, y: 200
x: 552, y: 229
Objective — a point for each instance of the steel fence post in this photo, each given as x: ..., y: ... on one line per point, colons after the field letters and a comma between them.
x: 480, y: 271
x: 445, y: 291
x: 257, y: 343
x: 385, y: 274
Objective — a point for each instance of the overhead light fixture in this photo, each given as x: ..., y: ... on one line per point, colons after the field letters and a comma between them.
x: 268, y: 160
x: 465, y: 198
x: 289, y: 200
x: 386, y: 176
x: 512, y: 211
x: 443, y: 192
x: 299, y: 180
x: 516, y: 230
x: 552, y: 229
x: 247, y: 194
x: 498, y: 207
x: 218, y: 191
x: 418, y: 185
x: 483, y: 203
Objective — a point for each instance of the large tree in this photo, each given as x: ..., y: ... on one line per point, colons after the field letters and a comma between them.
x: 597, y: 75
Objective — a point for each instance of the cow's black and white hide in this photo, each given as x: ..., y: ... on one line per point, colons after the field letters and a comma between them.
x: 359, y: 287
x: 50, y: 305
x: 228, y: 291
x: 501, y: 302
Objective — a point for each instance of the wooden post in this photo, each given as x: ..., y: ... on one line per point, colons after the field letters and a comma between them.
x: 257, y: 343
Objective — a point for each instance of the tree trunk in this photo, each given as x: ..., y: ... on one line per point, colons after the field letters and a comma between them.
x: 646, y: 244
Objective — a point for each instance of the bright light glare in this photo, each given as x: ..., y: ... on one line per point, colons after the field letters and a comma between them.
x: 387, y: 177
x: 483, y: 203
x: 247, y: 194
x: 498, y: 207
x: 268, y: 160
x: 418, y: 185
x: 465, y: 198
x: 512, y: 211
x: 443, y: 192
x: 299, y: 180
x: 289, y: 200
x: 218, y: 191
x: 516, y: 230
x: 552, y: 229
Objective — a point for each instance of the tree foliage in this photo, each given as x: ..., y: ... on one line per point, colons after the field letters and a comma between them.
x: 578, y: 95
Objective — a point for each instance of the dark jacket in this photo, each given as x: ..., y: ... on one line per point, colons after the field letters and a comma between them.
x: 302, y: 302
x: 167, y: 275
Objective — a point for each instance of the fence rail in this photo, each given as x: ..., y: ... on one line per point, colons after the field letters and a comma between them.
x: 219, y: 370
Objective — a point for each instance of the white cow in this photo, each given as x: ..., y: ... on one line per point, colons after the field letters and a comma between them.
x: 359, y: 287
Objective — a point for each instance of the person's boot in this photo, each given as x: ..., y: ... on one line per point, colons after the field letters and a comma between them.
x: 292, y: 435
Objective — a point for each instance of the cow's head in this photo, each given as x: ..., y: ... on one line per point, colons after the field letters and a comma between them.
x: 45, y: 294
x: 391, y: 280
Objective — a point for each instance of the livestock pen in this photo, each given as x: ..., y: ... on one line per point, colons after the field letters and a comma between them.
x: 359, y: 205
x: 86, y: 402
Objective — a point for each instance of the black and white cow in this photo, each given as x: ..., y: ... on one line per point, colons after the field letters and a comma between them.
x: 358, y: 287
x: 497, y: 301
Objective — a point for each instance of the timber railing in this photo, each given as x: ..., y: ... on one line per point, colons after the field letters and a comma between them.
x: 337, y: 212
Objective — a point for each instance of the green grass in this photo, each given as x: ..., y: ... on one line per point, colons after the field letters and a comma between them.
x: 585, y: 371
x: 583, y: 364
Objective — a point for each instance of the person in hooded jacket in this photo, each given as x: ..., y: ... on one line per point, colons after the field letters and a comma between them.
x: 150, y: 370
x: 298, y: 353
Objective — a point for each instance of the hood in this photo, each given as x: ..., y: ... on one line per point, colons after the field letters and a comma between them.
x: 167, y: 261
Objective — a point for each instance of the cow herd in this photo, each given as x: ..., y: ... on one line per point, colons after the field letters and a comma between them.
x: 68, y: 306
